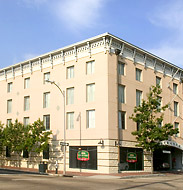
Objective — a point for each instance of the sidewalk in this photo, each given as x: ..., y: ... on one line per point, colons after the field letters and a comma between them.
x: 124, y: 175
x: 108, y: 176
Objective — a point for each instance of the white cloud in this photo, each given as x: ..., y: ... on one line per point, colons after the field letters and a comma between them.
x: 169, y: 53
x: 170, y: 17
x: 27, y: 56
x: 75, y: 14
x: 78, y: 13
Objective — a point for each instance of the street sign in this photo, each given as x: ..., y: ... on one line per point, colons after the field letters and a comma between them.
x: 64, y: 144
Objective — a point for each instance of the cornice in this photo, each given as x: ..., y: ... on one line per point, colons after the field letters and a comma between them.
x: 107, y: 41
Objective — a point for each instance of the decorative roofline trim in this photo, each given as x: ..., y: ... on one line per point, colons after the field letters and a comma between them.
x: 107, y: 40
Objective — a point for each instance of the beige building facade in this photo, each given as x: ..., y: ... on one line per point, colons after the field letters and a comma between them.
x: 103, y: 79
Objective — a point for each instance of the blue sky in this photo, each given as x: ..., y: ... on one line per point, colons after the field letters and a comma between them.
x: 32, y: 27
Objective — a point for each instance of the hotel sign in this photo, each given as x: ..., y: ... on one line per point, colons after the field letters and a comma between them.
x: 83, y: 155
x: 131, y: 157
x: 172, y: 144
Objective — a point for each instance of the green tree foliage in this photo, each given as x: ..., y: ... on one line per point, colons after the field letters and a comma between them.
x: 149, y: 116
x: 18, y: 137
x: 14, y: 136
x: 1, y: 137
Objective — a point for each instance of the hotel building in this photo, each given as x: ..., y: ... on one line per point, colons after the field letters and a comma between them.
x: 103, y: 78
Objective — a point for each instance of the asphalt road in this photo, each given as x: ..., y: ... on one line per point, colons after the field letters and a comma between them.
x: 42, y: 182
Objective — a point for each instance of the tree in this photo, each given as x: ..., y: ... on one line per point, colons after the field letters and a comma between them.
x: 149, y: 116
x: 33, y: 137
x: 36, y: 137
x: 1, y: 137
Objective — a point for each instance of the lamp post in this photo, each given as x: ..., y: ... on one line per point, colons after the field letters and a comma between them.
x: 64, y: 143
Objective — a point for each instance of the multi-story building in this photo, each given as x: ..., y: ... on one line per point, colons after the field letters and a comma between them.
x: 103, y: 78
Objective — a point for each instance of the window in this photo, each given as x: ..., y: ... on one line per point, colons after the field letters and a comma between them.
x: 124, y: 165
x: 9, y: 121
x: 70, y: 96
x: 121, y: 94
x: 26, y: 121
x: 121, y: 67
x: 9, y: 106
x: 90, y: 67
x: 160, y: 124
x: 46, y: 99
x: 8, y: 152
x: 159, y: 101
x: 74, y: 162
x: 26, y: 103
x: 138, y: 126
x: 138, y: 97
x: 121, y: 119
x: 70, y: 72
x: 175, y: 88
x: 158, y: 81
x: 70, y: 120
x: 138, y: 74
x: 26, y: 83
x: 46, y: 121
x: 10, y: 86
x: 25, y: 153
x: 176, y: 125
x: 90, y: 88
x: 46, y: 152
x: 46, y: 77
x: 90, y: 114
x: 175, y: 108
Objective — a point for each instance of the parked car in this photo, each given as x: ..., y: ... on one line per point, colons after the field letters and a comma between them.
x: 164, y: 166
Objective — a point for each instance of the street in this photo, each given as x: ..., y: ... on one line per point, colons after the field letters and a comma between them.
x: 39, y: 182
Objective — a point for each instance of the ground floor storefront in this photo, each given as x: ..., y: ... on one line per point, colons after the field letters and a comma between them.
x: 97, y: 156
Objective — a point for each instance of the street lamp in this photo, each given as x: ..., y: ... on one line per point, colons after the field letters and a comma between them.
x: 63, y: 143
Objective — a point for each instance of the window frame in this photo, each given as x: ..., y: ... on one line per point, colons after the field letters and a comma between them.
x: 9, y: 87
x: 90, y: 92
x: 90, y: 119
x: 175, y: 88
x: 46, y: 122
x: 25, y: 122
x: 70, y: 72
x: 9, y: 105
x: 27, y: 83
x: 158, y: 81
x: 45, y: 77
x: 26, y: 104
x: 138, y: 73
x: 176, y: 109
x: 90, y: 67
x: 121, y: 68
x: 122, y: 120
x: 140, y: 93
x: 70, y: 120
x: 121, y: 97
x: 176, y: 126
x: 46, y: 99
x: 70, y: 96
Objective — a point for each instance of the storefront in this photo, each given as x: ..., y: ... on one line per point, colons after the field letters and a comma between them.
x: 84, y: 157
x: 131, y: 159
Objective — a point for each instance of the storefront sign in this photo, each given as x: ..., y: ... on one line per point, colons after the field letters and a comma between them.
x: 83, y: 155
x: 131, y: 157
x: 172, y: 144
x: 166, y: 151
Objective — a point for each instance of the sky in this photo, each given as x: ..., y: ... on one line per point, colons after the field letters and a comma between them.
x: 29, y: 28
